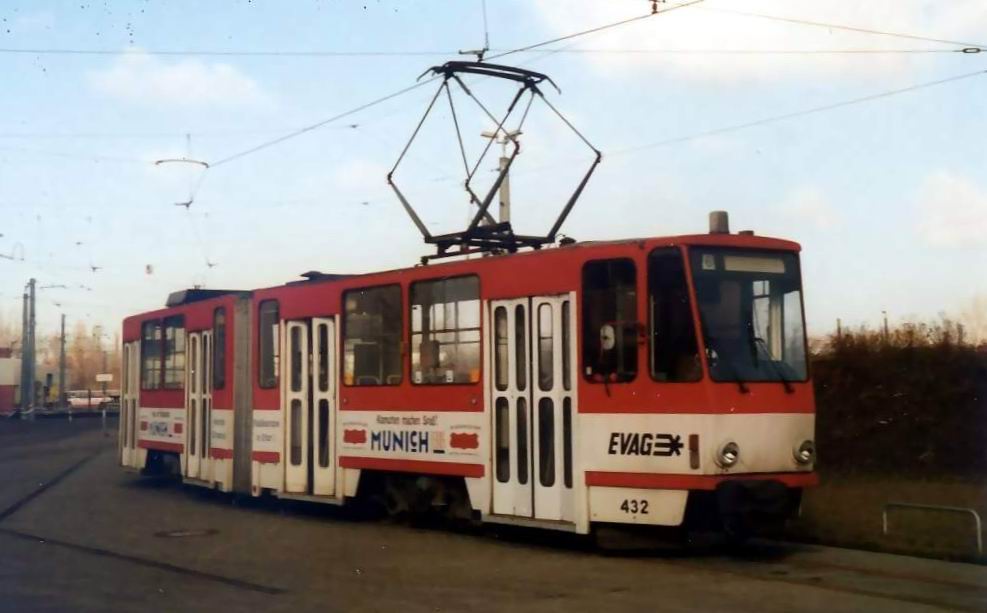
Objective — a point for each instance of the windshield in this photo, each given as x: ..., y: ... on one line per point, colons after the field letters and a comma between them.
x: 750, y: 305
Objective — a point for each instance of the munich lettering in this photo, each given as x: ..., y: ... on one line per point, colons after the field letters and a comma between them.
x: 413, y: 441
x: 637, y: 443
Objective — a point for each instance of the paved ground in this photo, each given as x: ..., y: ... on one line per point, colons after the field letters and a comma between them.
x: 76, y: 533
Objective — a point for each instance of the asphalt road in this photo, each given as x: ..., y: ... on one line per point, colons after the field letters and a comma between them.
x: 79, y: 534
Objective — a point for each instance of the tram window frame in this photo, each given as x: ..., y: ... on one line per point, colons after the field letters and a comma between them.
x: 219, y: 348
x: 390, y: 341
x: 685, y: 329
x: 417, y: 338
x: 501, y: 334
x: 544, y: 342
x: 173, y: 375
x: 625, y: 338
x: 268, y: 344
x: 151, y: 382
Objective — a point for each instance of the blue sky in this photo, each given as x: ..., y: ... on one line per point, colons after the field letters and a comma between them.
x: 888, y: 197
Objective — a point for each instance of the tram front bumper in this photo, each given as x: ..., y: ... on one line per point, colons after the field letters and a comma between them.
x: 748, y: 506
x: 743, y: 507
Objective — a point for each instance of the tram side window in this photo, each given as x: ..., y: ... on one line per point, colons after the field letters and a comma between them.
x: 174, y: 352
x: 674, y: 350
x: 610, y: 324
x: 445, y: 331
x: 151, y: 355
x: 219, y: 349
x: 267, y: 329
x: 372, y: 336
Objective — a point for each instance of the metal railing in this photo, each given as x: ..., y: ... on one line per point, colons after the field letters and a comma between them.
x: 940, y: 508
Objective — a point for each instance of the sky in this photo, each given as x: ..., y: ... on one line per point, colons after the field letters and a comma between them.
x: 888, y: 196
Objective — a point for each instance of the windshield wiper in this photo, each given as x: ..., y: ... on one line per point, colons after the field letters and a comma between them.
x: 789, y: 388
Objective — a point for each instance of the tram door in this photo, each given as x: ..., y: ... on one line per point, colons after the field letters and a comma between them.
x: 128, y: 403
x: 309, y: 393
x: 198, y: 405
x: 532, y: 380
x: 323, y: 431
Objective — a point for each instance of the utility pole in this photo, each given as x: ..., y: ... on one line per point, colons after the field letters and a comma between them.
x: 61, y: 367
x: 504, y: 214
x: 32, y: 328
x: 98, y: 334
x: 27, y: 353
x: 103, y: 395
x: 502, y: 138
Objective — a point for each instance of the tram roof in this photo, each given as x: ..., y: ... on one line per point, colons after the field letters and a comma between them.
x: 201, y: 303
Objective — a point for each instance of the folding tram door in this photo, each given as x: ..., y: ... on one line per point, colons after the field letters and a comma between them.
x: 533, y: 406
x: 309, y: 396
x: 198, y: 406
x: 130, y: 392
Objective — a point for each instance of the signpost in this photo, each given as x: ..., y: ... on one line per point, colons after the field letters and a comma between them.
x: 104, y: 378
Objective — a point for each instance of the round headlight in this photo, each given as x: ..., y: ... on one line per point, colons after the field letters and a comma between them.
x: 728, y: 455
x: 805, y: 453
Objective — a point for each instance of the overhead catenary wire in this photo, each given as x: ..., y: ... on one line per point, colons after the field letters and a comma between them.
x: 224, y: 53
x: 608, y: 26
x: 419, y: 84
x: 799, y: 113
x: 319, y: 124
x: 965, y: 50
x: 615, y: 153
x: 76, y: 156
x: 15, y: 134
x: 848, y: 28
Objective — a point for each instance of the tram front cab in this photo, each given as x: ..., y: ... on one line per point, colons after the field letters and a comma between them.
x: 719, y: 431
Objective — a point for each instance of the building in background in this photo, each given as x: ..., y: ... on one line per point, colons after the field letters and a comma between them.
x: 10, y: 376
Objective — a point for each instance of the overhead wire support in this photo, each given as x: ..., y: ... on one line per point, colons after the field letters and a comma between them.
x: 486, y: 26
x: 479, y: 53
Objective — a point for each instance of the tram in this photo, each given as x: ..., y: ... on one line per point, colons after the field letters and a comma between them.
x: 657, y: 381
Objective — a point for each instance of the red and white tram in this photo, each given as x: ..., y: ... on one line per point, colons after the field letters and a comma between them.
x: 660, y: 381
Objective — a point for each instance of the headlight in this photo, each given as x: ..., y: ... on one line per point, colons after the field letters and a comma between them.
x: 805, y: 453
x: 728, y: 455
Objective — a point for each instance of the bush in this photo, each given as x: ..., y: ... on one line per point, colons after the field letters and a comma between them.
x: 909, y: 403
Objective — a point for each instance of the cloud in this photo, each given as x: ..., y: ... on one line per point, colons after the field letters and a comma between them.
x: 952, y: 211
x: 808, y: 206
x: 705, y: 27
x: 141, y: 78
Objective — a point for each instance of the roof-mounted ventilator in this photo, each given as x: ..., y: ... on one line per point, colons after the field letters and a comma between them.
x: 484, y: 233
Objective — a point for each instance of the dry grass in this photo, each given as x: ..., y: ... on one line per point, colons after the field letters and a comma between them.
x: 847, y: 512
